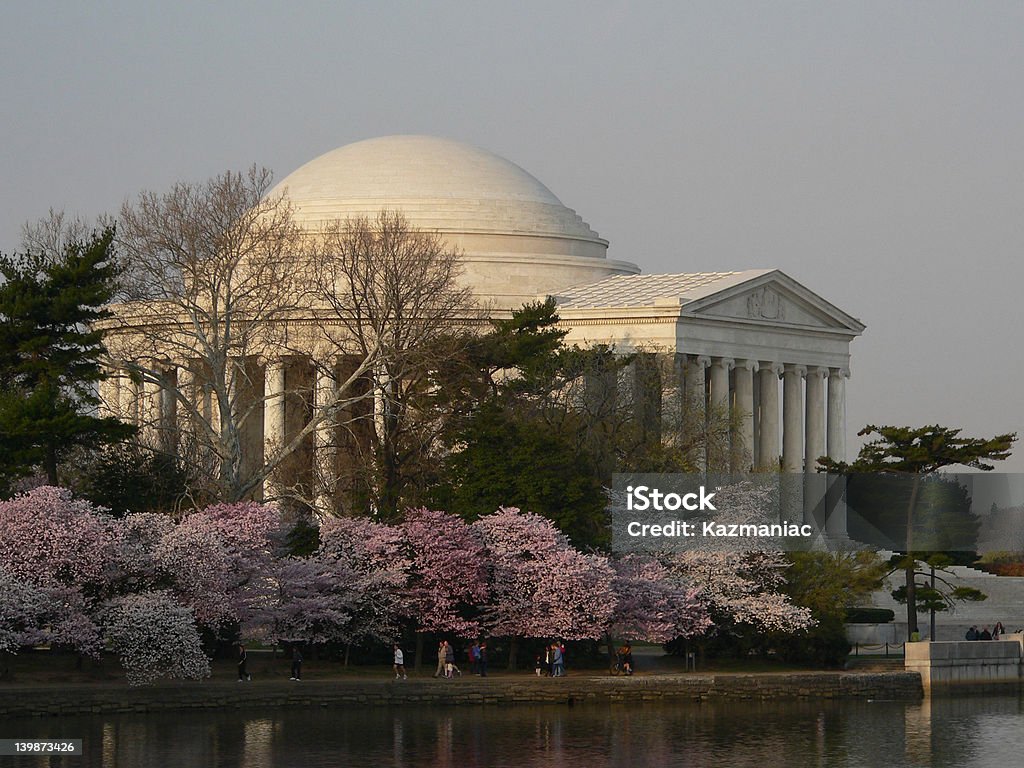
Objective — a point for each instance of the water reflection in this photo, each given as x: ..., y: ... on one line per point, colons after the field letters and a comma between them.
x: 976, y: 731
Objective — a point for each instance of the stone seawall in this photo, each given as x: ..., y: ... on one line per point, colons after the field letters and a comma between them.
x: 983, y: 664
x: 21, y: 701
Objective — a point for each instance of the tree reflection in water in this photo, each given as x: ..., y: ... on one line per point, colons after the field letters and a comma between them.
x: 945, y: 732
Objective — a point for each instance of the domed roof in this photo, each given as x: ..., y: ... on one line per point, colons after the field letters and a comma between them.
x: 439, y: 184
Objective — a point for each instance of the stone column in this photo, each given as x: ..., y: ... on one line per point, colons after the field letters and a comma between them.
x: 149, y: 406
x: 694, y: 406
x: 720, y: 367
x: 325, y: 446
x: 694, y: 387
x: 791, y: 482
x: 719, y: 455
x: 189, y: 393
x: 673, y: 394
x: 755, y: 447
x: 836, y: 441
x: 381, y: 406
x: 126, y: 396
x: 274, y: 429
x: 743, y: 453
x: 814, y: 438
x: 815, y: 483
x: 168, y: 423
x: 792, y: 419
x: 836, y: 520
x: 132, y: 399
x: 768, y: 449
x: 108, y: 391
x: 209, y: 407
x: 218, y: 405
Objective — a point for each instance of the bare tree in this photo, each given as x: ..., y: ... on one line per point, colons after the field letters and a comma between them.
x: 216, y: 275
x: 393, y: 292
x: 52, y: 235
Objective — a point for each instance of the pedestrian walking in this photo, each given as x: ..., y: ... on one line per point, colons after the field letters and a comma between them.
x: 399, y: 663
x: 440, y: 658
x: 296, y: 663
x: 243, y: 673
x: 483, y: 659
x: 626, y: 658
x: 557, y: 664
x: 449, y: 661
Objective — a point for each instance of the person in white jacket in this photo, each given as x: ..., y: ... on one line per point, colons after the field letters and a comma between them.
x: 399, y: 664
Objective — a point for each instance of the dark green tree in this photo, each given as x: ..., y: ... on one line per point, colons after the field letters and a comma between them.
x: 50, y: 347
x: 916, y: 454
x: 829, y: 583
x: 128, y: 477
x: 510, y: 459
x: 517, y: 438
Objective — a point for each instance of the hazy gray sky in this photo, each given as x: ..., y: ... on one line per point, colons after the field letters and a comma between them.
x: 874, y: 151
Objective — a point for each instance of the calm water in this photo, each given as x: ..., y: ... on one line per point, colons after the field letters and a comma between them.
x: 967, y: 732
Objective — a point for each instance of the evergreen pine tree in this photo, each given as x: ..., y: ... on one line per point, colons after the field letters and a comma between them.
x: 50, y: 347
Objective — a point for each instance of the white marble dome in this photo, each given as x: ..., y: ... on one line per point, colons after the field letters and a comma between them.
x: 517, y: 238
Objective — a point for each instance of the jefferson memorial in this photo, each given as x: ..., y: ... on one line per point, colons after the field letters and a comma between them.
x: 754, y: 342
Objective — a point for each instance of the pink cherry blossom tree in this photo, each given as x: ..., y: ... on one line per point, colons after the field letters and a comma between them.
x: 742, y: 587
x: 50, y: 538
x: 68, y: 569
x: 61, y: 548
x: 653, y: 605
x: 221, y: 559
x: 23, y: 609
x: 540, y: 585
x: 448, y: 575
x: 732, y: 581
x: 136, y: 540
x: 373, y: 556
x: 193, y: 563
x: 315, y: 601
x: 155, y: 636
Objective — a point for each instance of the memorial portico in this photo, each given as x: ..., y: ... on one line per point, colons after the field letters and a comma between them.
x: 756, y: 347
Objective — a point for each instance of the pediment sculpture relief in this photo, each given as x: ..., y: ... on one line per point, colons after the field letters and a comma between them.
x: 766, y: 304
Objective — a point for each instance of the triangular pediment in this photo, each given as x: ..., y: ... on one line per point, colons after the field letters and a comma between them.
x: 775, y: 298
